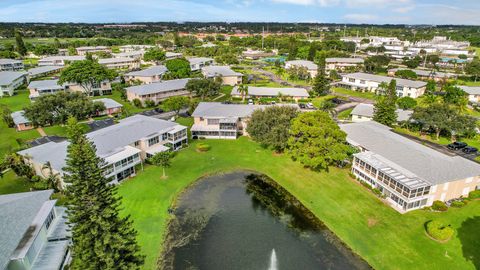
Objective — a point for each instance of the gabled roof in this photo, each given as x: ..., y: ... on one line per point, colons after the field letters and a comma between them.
x: 425, y: 73
x: 7, y: 77
x: 104, y: 61
x: 45, y: 85
x: 213, y: 71
x: 386, y: 79
x: 220, y: 110
x: 303, y: 63
x: 151, y: 71
x: 344, y: 60
x: 158, y: 87
x: 17, y: 212
x: 364, y: 109
x: 19, y: 118
x: 65, y: 58
x: 471, y: 90
x: 417, y: 159
x: 109, y: 103
x: 5, y: 61
x: 273, y: 91
x: 42, y: 69
x: 199, y: 60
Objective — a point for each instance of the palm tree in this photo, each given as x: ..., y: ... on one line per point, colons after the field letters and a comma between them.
x: 243, y: 90
x: 51, y: 177
x: 162, y: 159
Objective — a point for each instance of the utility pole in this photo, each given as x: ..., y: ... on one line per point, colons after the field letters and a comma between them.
x: 263, y: 33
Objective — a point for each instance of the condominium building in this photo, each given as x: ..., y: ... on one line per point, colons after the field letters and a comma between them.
x: 111, y: 106
x: 227, y: 75
x: 272, y: 92
x: 20, y: 121
x: 43, y: 71
x: 149, y: 75
x: 92, y: 49
x: 426, y: 74
x: 371, y: 83
x: 311, y: 67
x: 172, y: 55
x: 34, y: 232
x: 132, y: 48
x: 44, y: 87
x: 158, y: 91
x: 10, y: 64
x: 364, y: 112
x: 120, y: 63
x: 11, y: 80
x: 473, y: 93
x: 342, y: 64
x: 60, y: 60
x: 122, y: 146
x: 256, y: 54
x: 197, y: 63
x: 215, y: 120
x: 409, y: 174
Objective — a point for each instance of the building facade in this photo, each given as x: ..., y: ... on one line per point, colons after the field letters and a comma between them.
x: 10, y: 65
x: 146, y: 76
x: 342, y: 64
x: 11, y: 80
x: 227, y: 75
x: 311, y: 67
x: 158, y: 91
x: 272, y: 92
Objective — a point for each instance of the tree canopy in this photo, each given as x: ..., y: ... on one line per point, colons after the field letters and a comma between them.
x: 175, y: 103
x: 154, y: 54
x: 406, y: 103
x: 178, y: 68
x: 203, y: 87
x: 317, y: 141
x: 87, y: 73
x: 270, y: 126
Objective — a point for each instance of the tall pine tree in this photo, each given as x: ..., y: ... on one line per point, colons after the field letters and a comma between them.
x: 21, y: 49
x: 321, y: 83
x: 384, y: 111
x: 101, y: 238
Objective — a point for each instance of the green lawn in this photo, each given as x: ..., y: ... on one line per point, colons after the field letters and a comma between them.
x: 10, y: 183
x: 12, y: 140
x: 127, y: 106
x: 344, y: 115
x: 475, y: 141
x: 353, y: 93
x: 385, y: 238
x: 17, y: 101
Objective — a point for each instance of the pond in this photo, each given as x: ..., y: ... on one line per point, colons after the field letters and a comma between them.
x: 243, y: 220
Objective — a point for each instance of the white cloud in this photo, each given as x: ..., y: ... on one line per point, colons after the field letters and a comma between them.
x: 360, y: 18
x: 322, y: 3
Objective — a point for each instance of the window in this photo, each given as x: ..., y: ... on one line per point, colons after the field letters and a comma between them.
x: 351, y: 80
x: 153, y: 141
x: 213, y: 121
x: 137, y: 143
x: 362, y: 81
x: 49, y: 219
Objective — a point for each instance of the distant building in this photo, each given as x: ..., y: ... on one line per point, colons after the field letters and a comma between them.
x: 342, y: 64
x: 43, y: 71
x: 371, y: 83
x: 20, y: 121
x: 228, y: 76
x: 158, y: 91
x: 272, y: 92
x: 44, y: 87
x: 473, y: 93
x: 149, y: 75
x: 111, y: 106
x: 131, y: 54
x: 410, y: 174
x: 197, y: 63
x: 10, y: 65
x: 133, y: 48
x: 59, y: 60
x: 92, y: 49
x: 311, y: 67
x: 122, y: 146
x: 214, y: 120
x: 172, y: 55
x: 426, y: 74
x: 120, y: 63
x: 364, y: 112
x: 11, y: 80
x: 256, y: 54
x: 35, y: 234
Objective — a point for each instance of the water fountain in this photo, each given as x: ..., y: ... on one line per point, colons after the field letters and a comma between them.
x: 273, y: 261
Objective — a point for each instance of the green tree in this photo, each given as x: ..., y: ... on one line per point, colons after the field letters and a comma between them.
x: 243, y: 90
x: 271, y: 125
x: 101, y: 238
x: 455, y: 96
x: 203, y: 87
x: 384, y: 112
x: 178, y: 68
x: 18, y: 165
x: 473, y: 68
x: 154, y: 54
x: 7, y: 116
x: 20, y: 46
x: 45, y: 49
x: 321, y: 83
x: 88, y: 74
x: 317, y: 141
x: 406, y: 103
x: 406, y: 74
x: 162, y: 159
x: 175, y: 104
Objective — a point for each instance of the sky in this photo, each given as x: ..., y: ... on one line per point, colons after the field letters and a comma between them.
x: 322, y: 11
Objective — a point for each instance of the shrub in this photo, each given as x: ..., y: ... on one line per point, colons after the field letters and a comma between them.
x: 137, y: 103
x: 439, y: 231
x: 149, y: 103
x: 439, y: 206
x: 203, y: 147
x: 474, y: 194
x: 458, y: 204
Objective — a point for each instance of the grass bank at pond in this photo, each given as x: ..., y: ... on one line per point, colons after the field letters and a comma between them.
x: 383, y: 237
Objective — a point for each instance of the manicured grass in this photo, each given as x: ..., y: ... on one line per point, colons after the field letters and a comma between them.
x: 353, y: 93
x: 10, y: 138
x: 344, y: 115
x: 127, y: 106
x: 317, y: 102
x: 475, y: 141
x: 10, y: 183
x: 18, y: 101
x: 385, y: 238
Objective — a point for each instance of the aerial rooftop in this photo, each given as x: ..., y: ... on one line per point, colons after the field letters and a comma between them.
x: 157, y: 87
x: 151, y: 71
x: 386, y: 79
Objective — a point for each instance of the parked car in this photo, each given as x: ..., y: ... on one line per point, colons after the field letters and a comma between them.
x: 302, y: 105
x: 457, y: 145
x: 250, y: 102
x: 470, y: 150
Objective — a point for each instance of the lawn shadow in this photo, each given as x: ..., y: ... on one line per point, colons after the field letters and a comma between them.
x: 469, y: 235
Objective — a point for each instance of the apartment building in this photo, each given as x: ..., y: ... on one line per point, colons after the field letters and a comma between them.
x: 133, y: 54
x: 228, y: 76
x: 20, y: 121
x: 473, y: 93
x: 342, y: 64
x: 60, y: 60
x: 311, y: 67
x: 111, y: 106
x: 44, y: 87
x: 43, y: 71
x: 197, y: 63
x: 10, y: 64
x: 133, y: 48
x: 120, y: 63
x: 11, y: 80
x: 172, y: 55
x: 410, y: 175
x: 272, y: 92
x: 158, y: 91
x: 426, y: 74
x: 364, y: 112
x: 256, y: 54
x: 92, y: 49
x: 146, y: 76
x: 371, y: 83
x: 35, y: 234
x: 215, y: 120
x: 122, y: 146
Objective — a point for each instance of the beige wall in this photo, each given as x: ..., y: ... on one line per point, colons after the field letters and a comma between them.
x: 144, y: 79
x: 23, y: 127
x: 232, y: 80
x: 454, y: 189
x: 157, y: 97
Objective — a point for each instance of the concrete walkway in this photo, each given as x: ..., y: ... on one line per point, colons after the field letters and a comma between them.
x: 41, y: 131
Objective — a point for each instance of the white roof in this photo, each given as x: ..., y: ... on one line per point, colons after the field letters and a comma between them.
x: 273, y: 91
x: 199, y: 60
x: 45, y: 85
x: 220, y: 110
x: 109, y: 103
x: 5, y: 61
x: 158, y: 87
x: 386, y: 79
x: 19, y: 118
x: 104, y: 61
x: 151, y: 71
x: 471, y: 90
x: 157, y: 149
x: 225, y: 71
x: 366, y: 110
x: 8, y: 77
x: 303, y: 63
x: 345, y: 60
x: 42, y: 69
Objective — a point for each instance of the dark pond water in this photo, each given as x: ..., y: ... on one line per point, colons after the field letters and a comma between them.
x: 239, y: 221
